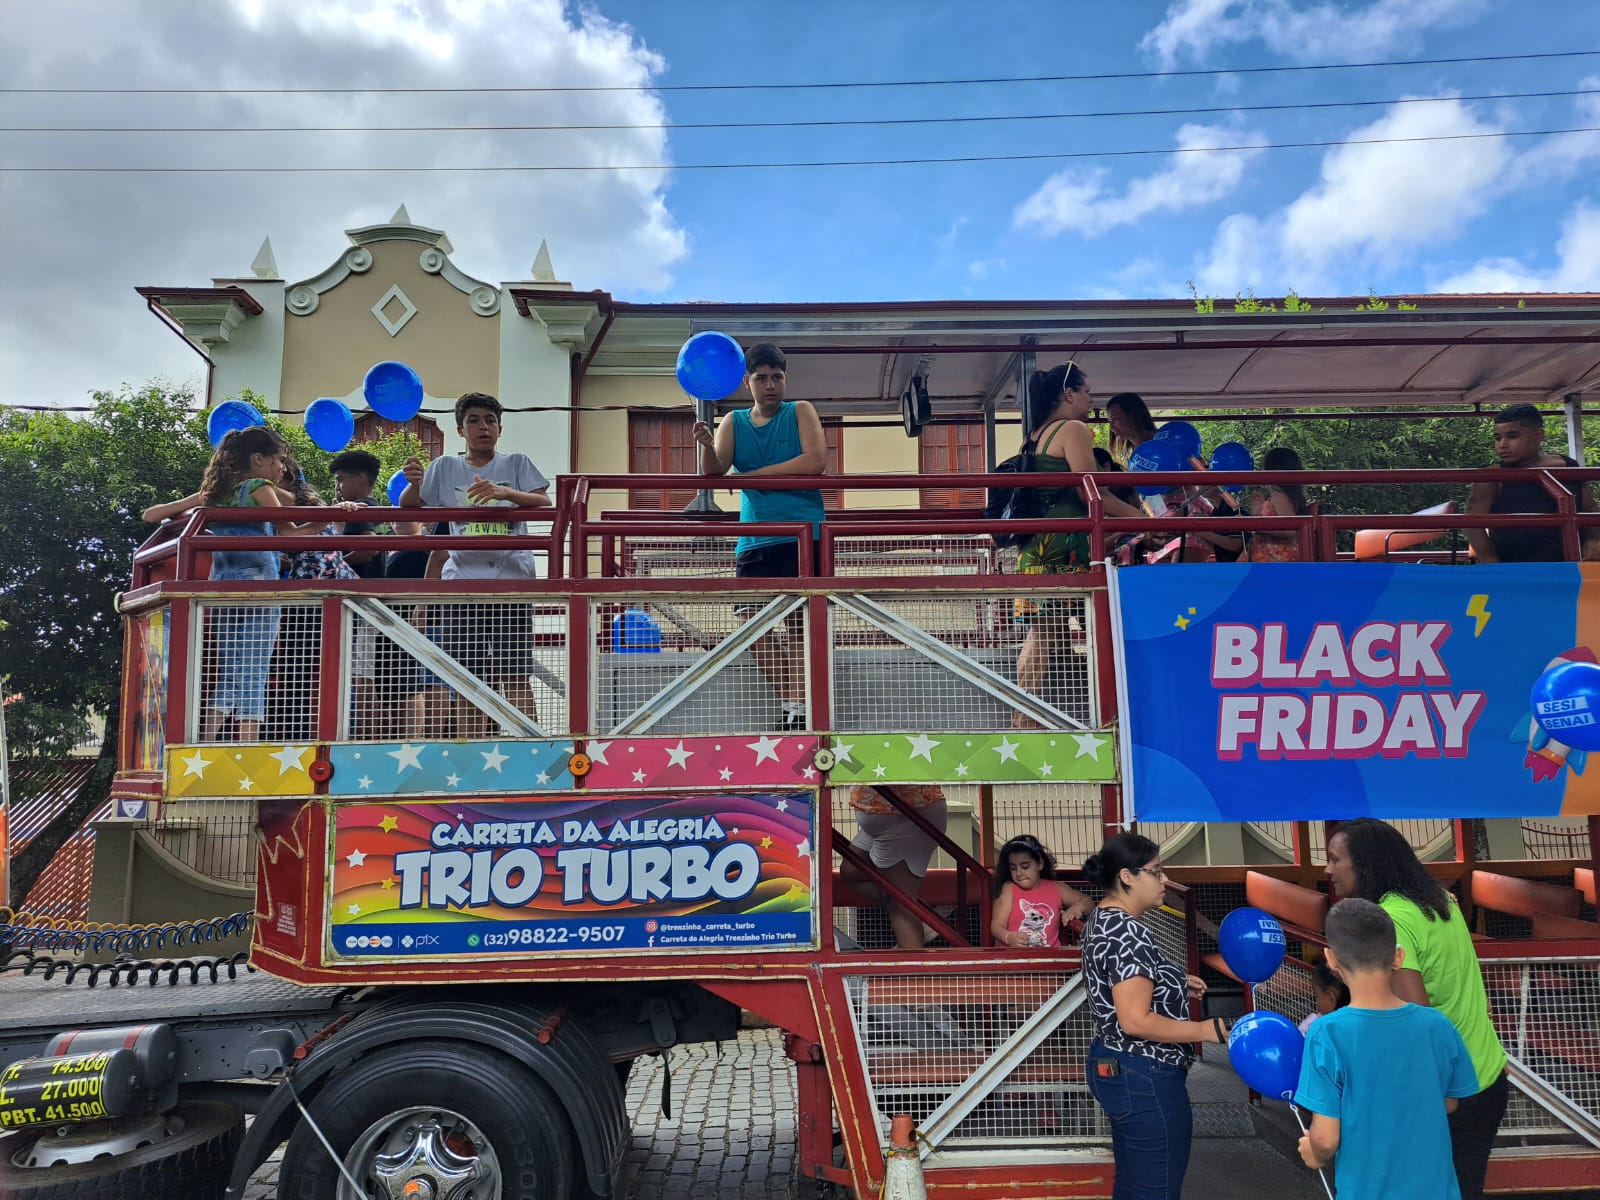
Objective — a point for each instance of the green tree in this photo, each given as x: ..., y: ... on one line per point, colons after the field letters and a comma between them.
x: 74, y: 491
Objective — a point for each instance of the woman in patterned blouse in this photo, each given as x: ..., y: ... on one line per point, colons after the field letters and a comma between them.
x: 1143, y: 1039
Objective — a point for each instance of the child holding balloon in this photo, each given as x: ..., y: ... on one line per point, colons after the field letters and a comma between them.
x: 1380, y: 1066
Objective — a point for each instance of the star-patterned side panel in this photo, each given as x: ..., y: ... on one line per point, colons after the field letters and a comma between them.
x: 441, y: 768
x: 731, y: 760
x: 1017, y: 756
x: 227, y: 771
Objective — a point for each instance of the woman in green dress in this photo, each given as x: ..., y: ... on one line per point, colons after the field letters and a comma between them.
x: 1058, y: 401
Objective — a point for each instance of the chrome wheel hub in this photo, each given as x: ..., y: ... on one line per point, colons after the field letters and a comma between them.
x: 423, y: 1154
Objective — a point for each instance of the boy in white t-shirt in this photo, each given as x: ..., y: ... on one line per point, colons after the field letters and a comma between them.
x: 473, y: 634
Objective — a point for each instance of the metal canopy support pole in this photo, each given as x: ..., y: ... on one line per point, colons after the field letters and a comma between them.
x: 704, y: 410
x: 471, y: 689
x: 722, y: 655
x: 1027, y: 364
x: 959, y: 665
x: 1572, y: 407
x: 995, y: 1070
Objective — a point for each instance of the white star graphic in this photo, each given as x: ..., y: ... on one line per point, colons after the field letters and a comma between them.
x: 1007, y: 750
x: 1088, y: 745
x: 246, y: 784
x: 803, y: 847
x: 677, y: 756
x: 725, y: 774
x: 783, y: 806
x: 543, y: 777
x: 597, y: 752
x: 289, y: 758
x: 405, y: 757
x: 922, y: 746
x: 365, y: 781
x: 492, y: 759
x: 356, y: 858
x: 195, y: 765
x: 1046, y: 770
x: 880, y: 771
x: 809, y: 772
x: 841, y: 751
x: 766, y: 748
x: 355, y: 910
x: 961, y: 770
x: 638, y: 776
x: 451, y: 780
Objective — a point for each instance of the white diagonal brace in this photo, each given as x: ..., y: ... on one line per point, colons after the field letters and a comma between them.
x: 973, y: 672
x: 723, y: 654
x: 1553, y: 1100
x: 471, y: 689
x: 994, y: 1071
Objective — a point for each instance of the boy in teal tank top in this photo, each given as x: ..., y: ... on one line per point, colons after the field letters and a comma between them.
x: 773, y: 437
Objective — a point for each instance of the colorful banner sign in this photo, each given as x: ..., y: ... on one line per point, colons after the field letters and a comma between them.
x: 573, y: 875
x: 1324, y: 691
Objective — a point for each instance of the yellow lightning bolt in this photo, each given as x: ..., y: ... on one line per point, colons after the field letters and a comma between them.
x: 1475, y: 608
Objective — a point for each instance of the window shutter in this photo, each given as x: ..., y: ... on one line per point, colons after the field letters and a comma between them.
x: 948, y: 449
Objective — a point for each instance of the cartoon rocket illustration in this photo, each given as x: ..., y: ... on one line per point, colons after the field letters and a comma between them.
x: 1546, y: 756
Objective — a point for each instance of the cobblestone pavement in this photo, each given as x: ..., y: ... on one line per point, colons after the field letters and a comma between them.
x: 731, y: 1135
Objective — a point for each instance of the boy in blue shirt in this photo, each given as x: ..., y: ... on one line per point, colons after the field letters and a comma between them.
x: 1380, y: 1075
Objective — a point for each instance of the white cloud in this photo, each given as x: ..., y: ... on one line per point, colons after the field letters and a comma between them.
x: 1557, y: 157
x: 1373, y: 205
x: 1077, y: 200
x: 1321, y: 31
x: 79, y: 244
x: 982, y: 268
x: 1577, y: 267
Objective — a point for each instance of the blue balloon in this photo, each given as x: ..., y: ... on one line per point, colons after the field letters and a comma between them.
x: 710, y: 366
x: 397, y: 485
x: 1265, y: 1048
x: 1158, y: 454
x: 229, y: 416
x: 1252, y: 944
x: 1232, y: 456
x: 393, y: 391
x: 1566, y: 704
x: 330, y: 424
x: 1186, y: 435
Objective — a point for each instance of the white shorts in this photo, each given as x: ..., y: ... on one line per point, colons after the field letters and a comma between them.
x: 889, y: 838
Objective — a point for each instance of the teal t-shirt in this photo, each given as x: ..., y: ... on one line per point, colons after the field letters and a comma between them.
x: 1384, y: 1075
x: 761, y: 446
x: 1442, y: 953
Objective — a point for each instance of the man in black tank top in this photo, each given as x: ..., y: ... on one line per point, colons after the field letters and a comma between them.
x: 1519, y: 442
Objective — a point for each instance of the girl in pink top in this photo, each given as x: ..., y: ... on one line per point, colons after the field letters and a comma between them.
x: 1030, y: 903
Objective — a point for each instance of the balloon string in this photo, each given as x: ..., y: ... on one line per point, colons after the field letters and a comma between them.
x: 1298, y: 1120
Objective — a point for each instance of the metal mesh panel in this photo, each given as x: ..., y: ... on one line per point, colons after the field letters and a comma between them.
x: 881, y: 683
x: 930, y: 554
x: 256, y: 672
x: 516, y: 647
x: 671, y: 645
x: 1063, y: 816
x: 1289, y: 991
x: 1169, y: 928
x: 1547, y: 1012
x: 922, y: 1036
x: 670, y: 558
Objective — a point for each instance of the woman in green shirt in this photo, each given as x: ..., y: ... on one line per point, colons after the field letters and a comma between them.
x: 1372, y: 860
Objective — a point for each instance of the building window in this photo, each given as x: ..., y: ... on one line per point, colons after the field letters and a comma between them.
x: 370, y: 427
x: 951, y: 450
x: 663, y: 444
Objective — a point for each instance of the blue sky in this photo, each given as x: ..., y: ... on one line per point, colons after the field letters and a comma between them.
x: 1485, y: 214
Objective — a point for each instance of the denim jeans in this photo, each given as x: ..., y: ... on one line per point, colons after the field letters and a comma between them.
x: 1151, y: 1122
x: 244, y: 639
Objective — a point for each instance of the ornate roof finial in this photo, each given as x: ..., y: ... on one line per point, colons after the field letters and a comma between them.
x: 265, y: 265
x: 543, y: 270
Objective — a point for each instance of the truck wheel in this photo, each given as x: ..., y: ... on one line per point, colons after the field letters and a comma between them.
x: 194, y: 1155
x: 458, y: 1121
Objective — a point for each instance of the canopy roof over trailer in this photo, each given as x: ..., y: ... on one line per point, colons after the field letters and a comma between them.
x: 857, y: 358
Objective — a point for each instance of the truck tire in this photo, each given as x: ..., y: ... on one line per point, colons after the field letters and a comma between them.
x: 438, y: 1105
x: 195, y: 1161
